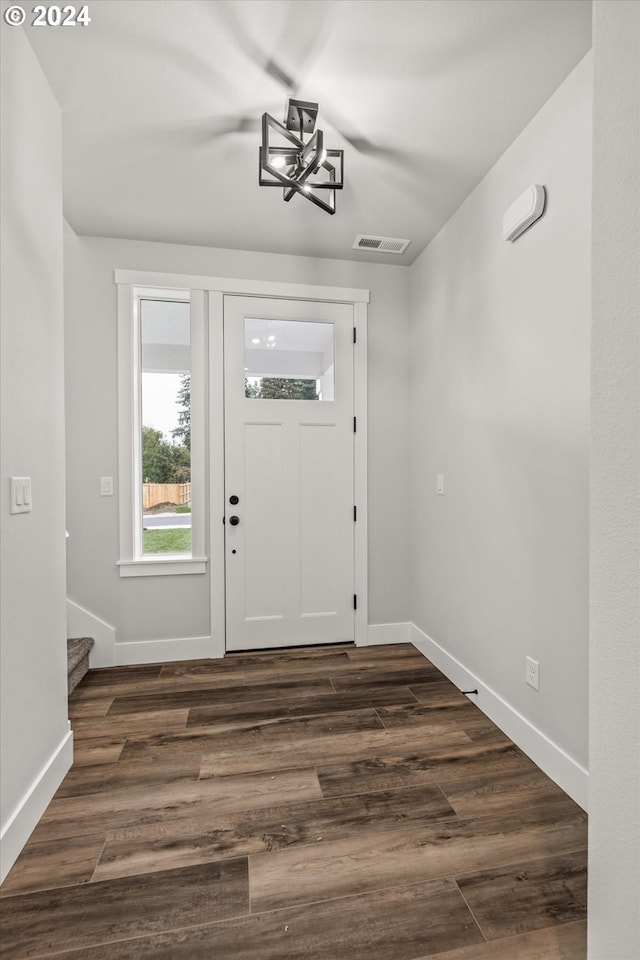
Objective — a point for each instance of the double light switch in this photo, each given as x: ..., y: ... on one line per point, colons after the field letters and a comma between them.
x: 20, y: 495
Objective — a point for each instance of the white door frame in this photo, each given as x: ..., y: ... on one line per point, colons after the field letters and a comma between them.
x: 213, y: 493
x: 359, y: 299
x: 291, y: 582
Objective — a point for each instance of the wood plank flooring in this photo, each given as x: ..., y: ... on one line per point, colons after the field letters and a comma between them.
x: 325, y: 803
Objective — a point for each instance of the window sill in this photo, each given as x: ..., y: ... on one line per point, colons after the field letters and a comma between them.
x: 169, y: 565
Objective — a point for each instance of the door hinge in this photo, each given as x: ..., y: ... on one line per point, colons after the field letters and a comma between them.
x: 355, y: 513
x: 354, y: 335
x: 354, y: 424
x: 355, y: 601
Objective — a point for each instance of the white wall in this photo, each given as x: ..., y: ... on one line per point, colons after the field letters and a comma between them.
x: 173, y: 607
x: 36, y: 745
x: 499, y: 347
x: 614, y: 751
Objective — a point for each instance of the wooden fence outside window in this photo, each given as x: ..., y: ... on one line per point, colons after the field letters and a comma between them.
x: 155, y: 493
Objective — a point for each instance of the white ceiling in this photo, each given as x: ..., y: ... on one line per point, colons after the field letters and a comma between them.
x: 434, y: 90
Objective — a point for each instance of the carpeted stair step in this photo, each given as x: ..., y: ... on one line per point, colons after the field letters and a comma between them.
x: 78, y: 649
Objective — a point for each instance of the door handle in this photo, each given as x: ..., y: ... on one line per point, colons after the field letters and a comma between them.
x: 234, y: 521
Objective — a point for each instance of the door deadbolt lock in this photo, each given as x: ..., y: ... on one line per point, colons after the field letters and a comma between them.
x: 234, y: 521
x: 233, y: 500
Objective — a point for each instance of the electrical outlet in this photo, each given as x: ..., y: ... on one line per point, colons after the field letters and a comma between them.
x: 533, y: 673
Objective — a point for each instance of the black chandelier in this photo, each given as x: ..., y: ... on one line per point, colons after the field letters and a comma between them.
x: 307, y: 168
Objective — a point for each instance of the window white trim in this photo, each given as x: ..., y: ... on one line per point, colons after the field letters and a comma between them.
x: 166, y: 565
x: 132, y: 563
x: 198, y: 424
x: 248, y: 288
x: 216, y: 474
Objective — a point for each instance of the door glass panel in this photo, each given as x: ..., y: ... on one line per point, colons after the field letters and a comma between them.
x: 288, y: 360
x: 165, y: 391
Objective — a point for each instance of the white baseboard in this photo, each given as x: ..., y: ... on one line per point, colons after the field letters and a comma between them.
x: 551, y: 758
x: 23, y: 820
x: 163, y: 651
x: 388, y: 633
x: 82, y: 623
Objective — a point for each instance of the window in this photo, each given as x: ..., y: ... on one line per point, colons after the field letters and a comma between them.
x: 165, y: 426
x: 288, y: 360
x: 161, y: 400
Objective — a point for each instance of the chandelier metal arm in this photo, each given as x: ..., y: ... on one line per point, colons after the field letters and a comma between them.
x: 294, y: 165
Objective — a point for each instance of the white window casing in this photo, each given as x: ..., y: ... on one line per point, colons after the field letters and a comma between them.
x: 132, y: 562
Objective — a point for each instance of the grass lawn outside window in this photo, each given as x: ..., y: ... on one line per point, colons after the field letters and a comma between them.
x: 167, y: 541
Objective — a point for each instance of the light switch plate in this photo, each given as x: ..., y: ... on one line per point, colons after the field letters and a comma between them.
x: 20, y: 495
x: 106, y: 486
x: 440, y: 484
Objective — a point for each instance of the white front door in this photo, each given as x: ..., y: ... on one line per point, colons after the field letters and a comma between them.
x: 289, y: 506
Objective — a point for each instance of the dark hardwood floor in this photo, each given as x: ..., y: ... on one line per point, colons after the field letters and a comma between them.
x: 327, y: 803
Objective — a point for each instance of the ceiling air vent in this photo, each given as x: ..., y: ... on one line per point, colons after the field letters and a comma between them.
x: 381, y: 244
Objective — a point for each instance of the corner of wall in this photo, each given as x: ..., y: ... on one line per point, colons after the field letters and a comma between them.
x: 499, y: 380
x: 383, y: 633
x: 614, y: 742
x: 36, y: 742
x: 81, y: 623
x: 23, y: 820
x: 571, y: 776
